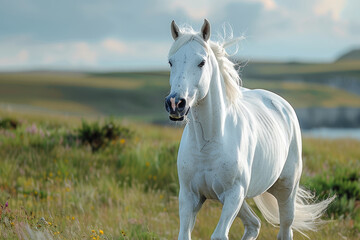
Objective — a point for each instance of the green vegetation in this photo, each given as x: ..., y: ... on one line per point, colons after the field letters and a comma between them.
x: 63, y: 176
x: 54, y: 187
x: 301, y: 94
x: 140, y: 95
x: 342, y: 180
x: 352, y: 55
x: 8, y: 123
x: 134, y: 95
x: 313, y: 72
x: 101, y: 136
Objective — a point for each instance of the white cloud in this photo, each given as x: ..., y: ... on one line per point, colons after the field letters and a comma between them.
x: 330, y: 7
x: 80, y: 54
x: 114, y: 45
x: 19, y: 58
x: 197, y: 10
x: 138, y: 33
x: 83, y: 54
x: 268, y: 4
x: 71, y: 53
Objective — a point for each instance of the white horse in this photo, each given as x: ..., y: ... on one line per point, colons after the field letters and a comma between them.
x: 237, y: 144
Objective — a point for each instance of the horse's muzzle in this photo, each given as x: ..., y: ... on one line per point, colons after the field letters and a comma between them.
x: 176, y: 107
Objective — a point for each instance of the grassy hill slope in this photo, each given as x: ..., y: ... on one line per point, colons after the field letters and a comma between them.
x: 135, y: 95
x: 140, y: 95
x: 312, y: 72
x: 350, y: 56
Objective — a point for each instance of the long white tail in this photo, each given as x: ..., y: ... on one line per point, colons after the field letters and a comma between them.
x: 307, y: 213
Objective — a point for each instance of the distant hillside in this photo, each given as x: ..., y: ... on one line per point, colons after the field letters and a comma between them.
x: 351, y: 55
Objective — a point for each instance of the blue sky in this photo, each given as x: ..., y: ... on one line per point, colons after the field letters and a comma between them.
x: 134, y: 35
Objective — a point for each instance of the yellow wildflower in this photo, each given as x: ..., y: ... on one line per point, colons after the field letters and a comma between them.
x: 93, y: 231
x: 101, y: 232
x: 147, y: 164
x: 122, y: 141
x: 73, y: 218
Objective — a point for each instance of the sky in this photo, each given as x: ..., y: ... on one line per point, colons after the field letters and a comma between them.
x: 109, y: 35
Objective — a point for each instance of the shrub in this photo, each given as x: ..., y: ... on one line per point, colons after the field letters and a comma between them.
x: 344, y: 181
x: 99, y: 136
x: 9, y: 123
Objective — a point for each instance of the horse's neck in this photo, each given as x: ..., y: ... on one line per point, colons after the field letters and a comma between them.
x: 207, y: 119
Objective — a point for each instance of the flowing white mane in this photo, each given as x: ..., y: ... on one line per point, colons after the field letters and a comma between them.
x: 231, y: 77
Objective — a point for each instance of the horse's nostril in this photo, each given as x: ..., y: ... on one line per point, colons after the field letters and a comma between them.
x: 167, y: 104
x: 181, y: 104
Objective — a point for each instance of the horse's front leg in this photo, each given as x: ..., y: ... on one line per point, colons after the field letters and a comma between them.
x: 189, y: 205
x: 232, y: 200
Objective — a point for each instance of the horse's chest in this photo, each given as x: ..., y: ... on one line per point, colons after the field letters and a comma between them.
x: 209, y: 172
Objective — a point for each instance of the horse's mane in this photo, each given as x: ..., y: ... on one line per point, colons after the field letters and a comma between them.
x: 230, y: 75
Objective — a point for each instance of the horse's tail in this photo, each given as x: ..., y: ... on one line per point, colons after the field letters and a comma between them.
x: 307, y: 212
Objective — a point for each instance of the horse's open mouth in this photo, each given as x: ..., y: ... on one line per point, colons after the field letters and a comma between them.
x: 179, y: 118
x: 176, y: 118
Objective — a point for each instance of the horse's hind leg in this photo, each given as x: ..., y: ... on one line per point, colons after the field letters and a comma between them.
x: 286, y: 202
x: 285, y: 190
x: 251, y: 222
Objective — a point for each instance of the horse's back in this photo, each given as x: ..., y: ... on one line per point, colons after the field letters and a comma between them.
x: 275, y: 127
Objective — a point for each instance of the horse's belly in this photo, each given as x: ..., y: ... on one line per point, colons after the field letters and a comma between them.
x: 261, y: 184
x: 265, y: 171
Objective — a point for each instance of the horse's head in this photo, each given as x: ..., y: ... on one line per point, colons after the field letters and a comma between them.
x: 190, y: 70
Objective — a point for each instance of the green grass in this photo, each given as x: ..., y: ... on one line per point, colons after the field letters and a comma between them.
x: 279, y: 69
x: 134, y: 95
x: 140, y: 95
x: 305, y: 94
x: 127, y: 190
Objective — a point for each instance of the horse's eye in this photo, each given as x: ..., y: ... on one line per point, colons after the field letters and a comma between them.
x: 170, y: 64
x: 201, y: 64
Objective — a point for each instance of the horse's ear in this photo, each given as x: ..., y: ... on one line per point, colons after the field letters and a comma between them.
x: 205, y: 30
x: 174, y: 30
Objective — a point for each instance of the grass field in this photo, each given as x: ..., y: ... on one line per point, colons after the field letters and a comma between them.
x: 53, y: 187
x: 135, y: 95
x: 307, y: 71
x: 140, y: 95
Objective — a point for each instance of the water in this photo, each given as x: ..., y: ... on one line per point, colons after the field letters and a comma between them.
x: 332, y: 133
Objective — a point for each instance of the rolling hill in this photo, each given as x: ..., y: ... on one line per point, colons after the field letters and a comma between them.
x: 352, y: 55
x: 140, y: 95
